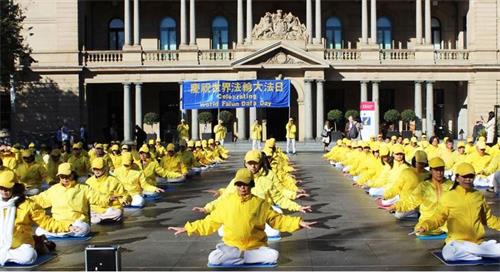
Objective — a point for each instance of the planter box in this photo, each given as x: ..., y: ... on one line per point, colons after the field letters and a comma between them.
x: 206, y: 136
x: 392, y: 133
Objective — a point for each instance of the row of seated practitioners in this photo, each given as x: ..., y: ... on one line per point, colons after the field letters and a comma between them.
x: 436, y: 183
x: 85, y: 187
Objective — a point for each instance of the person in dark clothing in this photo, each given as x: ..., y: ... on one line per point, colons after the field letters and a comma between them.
x: 140, y: 135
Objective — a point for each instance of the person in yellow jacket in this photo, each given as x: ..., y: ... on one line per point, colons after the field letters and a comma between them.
x: 188, y: 159
x: 480, y: 160
x: 459, y: 155
x: 465, y: 212
x: 470, y: 147
x: 160, y: 149
x: 427, y: 194
x: 80, y: 163
x: 446, y: 153
x: 110, y: 187
x: 9, y: 158
x: 134, y: 181
x: 52, y: 166
x: 151, y: 169
x: 31, y: 173
x: 398, y: 164
x: 18, y: 214
x: 243, y: 217
x: 373, y: 166
x: 69, y: 202
x: 256, y: 134
x: 221, y: 151
x: 433, y: 149
x: 183, y: 130
x: 172, y: 162
x: 291, y: 134
x: 115, y: 157
x: 201, y: 155
x: 38, y: 157
x: 220, y: 132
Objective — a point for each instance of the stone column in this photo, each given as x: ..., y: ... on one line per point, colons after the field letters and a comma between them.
x: 317, y: 22
x: 375, y: 98
x: 418, y: 21
x: 373, y: 22
x: 249, y: 21
x: 308, y: 110
x: 128, y: 39
x: 192, y: 23
x: 194, y: 125
x: 239, y: 23
x: 320, y: 107
x: 240, y: 115
x: 137, y: 33
x: 127, y: 120
x: 364, y: 21
x: 418, y: 106
x: 183, y: 22
x: 252, y: 115
x: 183, y: 112
x: 429, y: 115
x: 309, y: 21
x: 428, y: 38
x: 364, y: 91
x: 138, y: 104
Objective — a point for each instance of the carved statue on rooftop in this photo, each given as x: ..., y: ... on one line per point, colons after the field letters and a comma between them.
x: 279, y: 26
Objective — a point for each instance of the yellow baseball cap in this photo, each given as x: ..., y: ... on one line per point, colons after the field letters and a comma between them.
x: 406, y: 141
x: 384, y: 151
x: 144, y: 149
x: 77, y: 145
x: 97, y: 163
x: 375, y: 147
x: 460, y: 144
x: 125, y: 146
x: 268, y: 151
x: 270, y: 142
x: 339, y: 142
x: 421, y: 156
x: 470, y: 140
x: 64, y: 169
x: 190, y: 143
x: 151, y: 142
x: 394, y: 137
x: 31, y: 145
x: 7, y: 179
x: 436, y: 162
x: 481, y: 139
x: 99, y: 146
x: 243, y: 175
x: 397, y: 148
x: 170, y: 147
x: 115, y: 148
x: 252, y: 155
x: 480, y: 145
x: 211, y: 141
x: 127, y: 158
x: 464, y: 169
x: 198, y: 144
x: 413, y: 139
x: 26, y: 153
x: 158, y: 140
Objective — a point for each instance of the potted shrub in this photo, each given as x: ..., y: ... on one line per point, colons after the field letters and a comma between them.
x: 335, y: 116
x: 152, y: 119
x: 227, y: 119
x: 408, y: 116
x: 392, y: 116
x: 205, y: 118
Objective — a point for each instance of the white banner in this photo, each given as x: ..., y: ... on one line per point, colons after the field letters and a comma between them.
x: 367, y: 116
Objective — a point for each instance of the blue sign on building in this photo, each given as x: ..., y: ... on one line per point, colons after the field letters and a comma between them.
x: 229, y: 94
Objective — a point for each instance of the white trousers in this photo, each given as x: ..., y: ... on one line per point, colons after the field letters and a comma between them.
x: 228, y: 255
x: 255, y: 144
x: 32, y: 191
x: 468, y: 251
x: 389, y: 202
x: 84, y: 231
x: 111, y: 214
x: 288, y: 147
x: 25, y: 254
x: 376, y: 191
x: 221, y: 141
x: 137, y: 200
x: 409, y: 214
x: 484, y: 181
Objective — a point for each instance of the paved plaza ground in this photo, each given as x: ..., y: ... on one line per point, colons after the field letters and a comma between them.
x: 352, y: 234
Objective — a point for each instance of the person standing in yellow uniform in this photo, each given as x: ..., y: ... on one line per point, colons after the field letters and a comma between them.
x: 220, y: 132
x: 110, y: 187
x: 291, y: 133
x: 31, y: 173
x: 134, y: 181
x: 183, y: 130
x: 80, y: 163
x: 69, y: 202
x: 243, y: 217
x: 465, y: 213
x: 18, y: 214
x: 256, y: 134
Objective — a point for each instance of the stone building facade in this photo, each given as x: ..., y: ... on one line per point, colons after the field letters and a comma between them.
x: 107, y: 63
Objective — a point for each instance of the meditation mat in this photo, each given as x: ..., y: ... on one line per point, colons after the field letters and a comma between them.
x: 273, y: 238
x: 133, y: 207
x: 151, y: 197
x: 70, y: 238
x: 484, y: 261
x: 255, y: 265
x: 441, y: 236
x: 39, y: 261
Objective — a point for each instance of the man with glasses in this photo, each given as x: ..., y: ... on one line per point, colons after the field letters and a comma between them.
x: 69, y: 202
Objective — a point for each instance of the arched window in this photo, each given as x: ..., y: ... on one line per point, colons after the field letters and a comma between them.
x: 116, y: 34
x: 220, y: 33
x: 168, y: 36
x: 333, y: 33
x: 436, y: 33
x: 384, y: 32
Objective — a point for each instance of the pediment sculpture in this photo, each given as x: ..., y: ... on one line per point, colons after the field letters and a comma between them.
x: 279, y: 26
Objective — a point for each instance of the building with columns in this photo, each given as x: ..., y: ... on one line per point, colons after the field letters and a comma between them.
x: 106, y: 63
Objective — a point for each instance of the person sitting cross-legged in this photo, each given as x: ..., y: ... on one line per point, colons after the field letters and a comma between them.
x: 243, y: 217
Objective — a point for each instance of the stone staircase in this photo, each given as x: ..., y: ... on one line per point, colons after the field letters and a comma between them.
x: 243, y: 146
